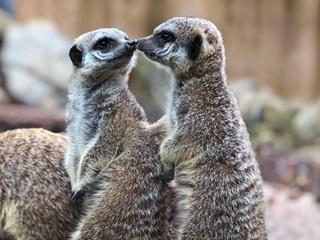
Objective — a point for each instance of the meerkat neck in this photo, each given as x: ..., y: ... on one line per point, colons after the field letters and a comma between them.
x: 211, y: 82
x: 208, y: 91
x: 91, y: 83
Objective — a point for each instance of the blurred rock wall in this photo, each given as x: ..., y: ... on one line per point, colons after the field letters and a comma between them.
x: 275, y: 42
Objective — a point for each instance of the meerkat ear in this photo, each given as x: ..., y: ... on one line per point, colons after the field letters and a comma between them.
x: 76, y: 56
x: 194, y: 47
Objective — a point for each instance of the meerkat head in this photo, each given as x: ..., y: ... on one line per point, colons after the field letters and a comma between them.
x: 102, y: 53
x: 189, y: 46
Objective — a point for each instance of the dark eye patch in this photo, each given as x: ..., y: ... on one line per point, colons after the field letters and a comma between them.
x: 194, y: 47
x: 164, y: 37
x: 104, y: 43
x: 167, y: 36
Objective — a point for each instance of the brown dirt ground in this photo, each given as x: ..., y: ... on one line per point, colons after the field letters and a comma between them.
x: 291, y: 215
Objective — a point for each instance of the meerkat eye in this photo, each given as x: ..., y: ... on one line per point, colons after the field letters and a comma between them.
x: 166, y: 36
x: 103, y: 43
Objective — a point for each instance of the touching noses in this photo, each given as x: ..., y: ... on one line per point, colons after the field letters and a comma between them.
x: 132, y: 43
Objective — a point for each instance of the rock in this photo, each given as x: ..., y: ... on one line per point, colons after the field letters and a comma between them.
x: 275, y: 121
x: 306, y: 125
x: 5, y: 21
x: 291, y: 216
x: 35, y: 63
x: 312, y: 155
x: 266, y: 115
x: 4, y: 98
x: 299, y: 169
x: 20, y: 116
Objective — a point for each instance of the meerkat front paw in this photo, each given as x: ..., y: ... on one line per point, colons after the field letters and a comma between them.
x: 86, y: 177
x: 79, y: 189
x: 168, y: 174
x: 77, y: 196
x: 167, y: 162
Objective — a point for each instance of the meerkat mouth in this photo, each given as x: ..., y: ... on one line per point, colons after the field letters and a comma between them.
x: 133, y: 44
x: 123, y: 59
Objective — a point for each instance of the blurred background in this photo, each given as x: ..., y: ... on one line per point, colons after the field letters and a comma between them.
x: 273, y: 66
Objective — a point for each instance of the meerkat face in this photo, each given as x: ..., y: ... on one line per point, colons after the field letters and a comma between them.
x: 185, y: 44
x: 102, y: 52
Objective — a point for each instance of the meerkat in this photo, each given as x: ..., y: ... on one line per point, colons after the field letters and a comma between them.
x: 34, y: 186
x: 219, y: 186
x: 102, y: 63
x: 112, y: 155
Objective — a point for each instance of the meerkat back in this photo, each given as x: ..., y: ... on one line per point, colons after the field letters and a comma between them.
x: 34, y: 186
x: 219, y: 186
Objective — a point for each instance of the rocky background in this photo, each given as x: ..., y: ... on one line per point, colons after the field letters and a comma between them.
x: 285, y: 132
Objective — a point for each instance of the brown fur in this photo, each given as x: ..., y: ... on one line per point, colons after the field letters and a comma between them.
x: 219, y: 185
x: 112, y: 153
x: 34, y: 186
x: 98, y: 93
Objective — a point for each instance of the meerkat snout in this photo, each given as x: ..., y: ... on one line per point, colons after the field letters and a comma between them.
x: 132, y: 43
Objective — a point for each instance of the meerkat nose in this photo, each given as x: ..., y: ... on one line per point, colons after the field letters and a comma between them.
x: 132, y: 43
x: 138, y: 42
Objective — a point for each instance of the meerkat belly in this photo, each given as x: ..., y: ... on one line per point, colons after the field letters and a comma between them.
x: 211, y: 183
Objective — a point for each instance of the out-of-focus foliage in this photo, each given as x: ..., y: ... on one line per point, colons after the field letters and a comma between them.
x: 150, y: 82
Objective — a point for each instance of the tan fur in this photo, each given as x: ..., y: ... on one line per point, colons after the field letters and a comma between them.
x: 113, y: 153
x: 218, y: 179
x: 34, y: 187
x: 93, y: 103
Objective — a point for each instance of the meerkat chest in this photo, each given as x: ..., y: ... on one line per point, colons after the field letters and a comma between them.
x: 179, y: 109
x: 86, y: 120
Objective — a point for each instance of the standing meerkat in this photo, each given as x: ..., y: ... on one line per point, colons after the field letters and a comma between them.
x: 112, y: 154
x: 102, y: 61
x: 219, y: 185
x: 34, y: 186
